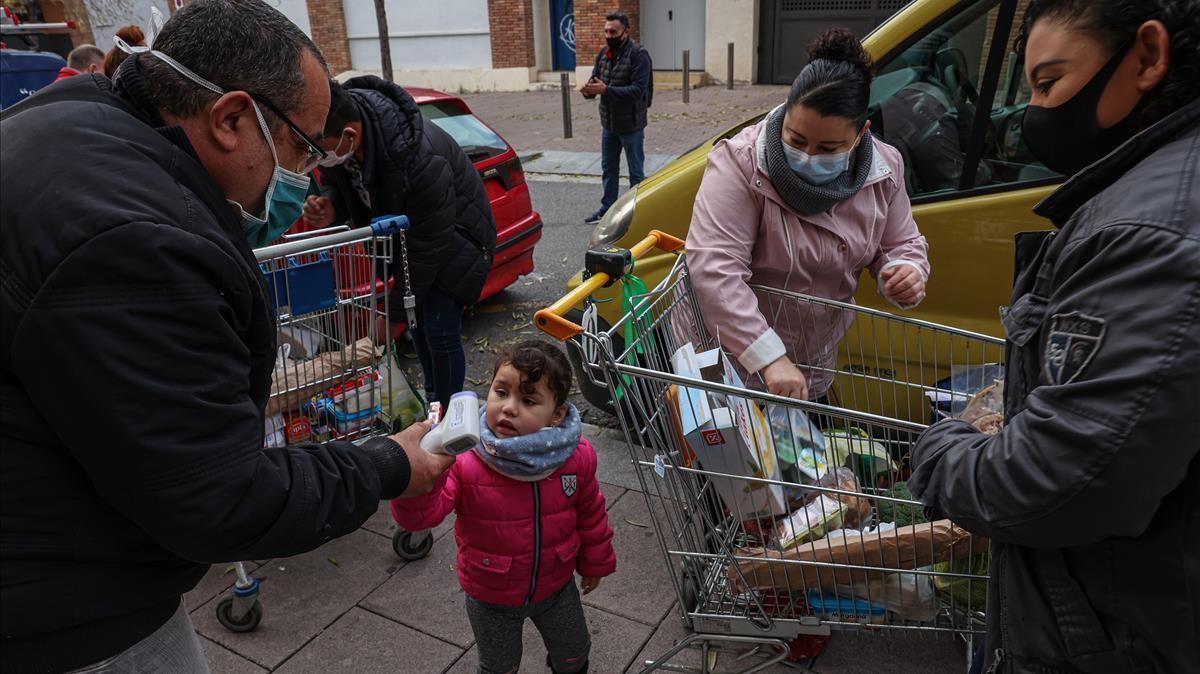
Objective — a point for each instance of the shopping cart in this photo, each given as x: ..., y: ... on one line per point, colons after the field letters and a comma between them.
x: 767, y: 557
x: 333, y: 375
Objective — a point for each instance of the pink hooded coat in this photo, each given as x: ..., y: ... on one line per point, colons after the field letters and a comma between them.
x: 742, y: 232
x: 506, y: 554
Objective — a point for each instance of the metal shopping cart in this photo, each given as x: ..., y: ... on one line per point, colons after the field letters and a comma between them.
x: 808, y: 527
x: 333, y: 376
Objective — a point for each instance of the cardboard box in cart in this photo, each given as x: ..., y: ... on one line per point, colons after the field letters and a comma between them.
x: 728, y: 434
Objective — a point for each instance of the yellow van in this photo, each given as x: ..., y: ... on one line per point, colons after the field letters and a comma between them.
x: 950, y: 94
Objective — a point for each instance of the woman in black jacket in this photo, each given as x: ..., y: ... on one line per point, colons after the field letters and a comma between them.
x: 1088, y: 494
x: 384, y: 159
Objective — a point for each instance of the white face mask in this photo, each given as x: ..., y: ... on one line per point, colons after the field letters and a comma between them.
x: 819, y: 169
x: 335, y: 159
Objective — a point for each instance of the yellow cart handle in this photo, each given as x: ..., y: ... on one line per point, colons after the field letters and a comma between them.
x: 550, y: 320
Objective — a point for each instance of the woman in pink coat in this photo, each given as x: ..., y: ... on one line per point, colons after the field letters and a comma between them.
x: 803, y: 201
x: 530, y: 515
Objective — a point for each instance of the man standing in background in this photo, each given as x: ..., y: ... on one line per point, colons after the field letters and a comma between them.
x: 621, y: 78
x: 86, y: 58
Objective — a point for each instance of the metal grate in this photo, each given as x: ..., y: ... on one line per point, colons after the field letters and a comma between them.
x: 826, y: 5
x: 893, y: 5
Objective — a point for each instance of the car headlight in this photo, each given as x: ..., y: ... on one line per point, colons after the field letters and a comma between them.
x: 615, y: 223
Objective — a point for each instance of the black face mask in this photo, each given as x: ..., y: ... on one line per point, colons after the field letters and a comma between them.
x: 614, y: 43
x: 1068, y: 137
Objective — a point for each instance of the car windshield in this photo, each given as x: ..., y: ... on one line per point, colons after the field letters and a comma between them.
x: 475, y: 138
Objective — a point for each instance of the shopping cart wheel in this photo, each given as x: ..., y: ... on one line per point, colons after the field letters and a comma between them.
x: 412, y: 545
x: 689, y: 595
x: 226, y: 615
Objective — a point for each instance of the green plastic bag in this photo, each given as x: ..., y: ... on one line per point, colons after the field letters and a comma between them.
x: 631, y: 287
x: 401, y: 404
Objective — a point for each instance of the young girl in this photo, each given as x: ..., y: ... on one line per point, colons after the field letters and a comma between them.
x: 530, y: 515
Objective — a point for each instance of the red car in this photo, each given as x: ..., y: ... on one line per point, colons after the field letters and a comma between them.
x: 518, y: 226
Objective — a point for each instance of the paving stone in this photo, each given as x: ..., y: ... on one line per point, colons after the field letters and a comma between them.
x: 363, y: 642
x: 382, y: 523
x: 217, y: 581
x: 302, y: 595
x: 532, y: 121
x: 612, y: 494
x: 615, y: 465
x: 615, y: 640
x: 670, y: 632
x: 426, y: 596
x: 641, y: 589
x: 224, y: 661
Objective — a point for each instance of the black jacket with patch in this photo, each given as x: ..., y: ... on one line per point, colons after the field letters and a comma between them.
x: 137, y: 346
x: 416, y: 169
x: 1089, y: 494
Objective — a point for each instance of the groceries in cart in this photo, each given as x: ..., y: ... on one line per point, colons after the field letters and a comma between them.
x: 974, y: 395
x: 728, y: 435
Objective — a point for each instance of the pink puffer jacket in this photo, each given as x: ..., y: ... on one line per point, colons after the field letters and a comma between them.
x: 519, y: 542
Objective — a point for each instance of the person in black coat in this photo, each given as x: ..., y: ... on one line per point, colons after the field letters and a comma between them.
x: 139, y: 341
x: 385, y: 158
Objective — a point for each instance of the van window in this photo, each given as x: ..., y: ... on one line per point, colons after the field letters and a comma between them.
x: 924, y: 102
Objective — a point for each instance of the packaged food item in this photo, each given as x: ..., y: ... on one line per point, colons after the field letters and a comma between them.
x: 728, y: 434
x: 798, y: 442
x: 810, y: 522
x: 845, y: 609
x: 986, y: 409
x: 854, y: 448
x: 903, y: 548
x: 967, y: 593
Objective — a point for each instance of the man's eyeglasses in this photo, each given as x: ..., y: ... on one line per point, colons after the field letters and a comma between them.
x: 315, y: 153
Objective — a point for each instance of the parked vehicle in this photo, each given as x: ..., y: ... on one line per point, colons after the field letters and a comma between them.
x: 518, y: 226
x: 950, y: 95
x: 24, y: 72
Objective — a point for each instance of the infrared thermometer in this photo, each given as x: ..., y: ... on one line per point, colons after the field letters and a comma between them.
x: 458, y: 431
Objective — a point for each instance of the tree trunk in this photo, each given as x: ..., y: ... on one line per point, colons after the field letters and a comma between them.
x: 385, y: 43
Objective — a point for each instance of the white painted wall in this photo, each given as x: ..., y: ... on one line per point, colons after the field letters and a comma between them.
x: 425, y: 35
x: 733, y: 21
x: 107, y: 16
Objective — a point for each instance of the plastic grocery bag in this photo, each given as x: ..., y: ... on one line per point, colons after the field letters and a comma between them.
x: 401, y: 405
x: 870, y: 458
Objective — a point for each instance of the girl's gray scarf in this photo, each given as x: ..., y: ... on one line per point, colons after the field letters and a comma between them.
x: 532, y: 457
x: 804, y: 198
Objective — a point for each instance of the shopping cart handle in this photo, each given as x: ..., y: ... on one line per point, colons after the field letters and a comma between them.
x: 550, y: 320
x: 386, y: 225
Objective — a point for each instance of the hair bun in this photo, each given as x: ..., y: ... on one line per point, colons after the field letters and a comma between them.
x: 839, y: 44
x: 132, y: 35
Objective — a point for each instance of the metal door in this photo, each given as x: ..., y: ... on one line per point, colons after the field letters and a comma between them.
x: 787, y: 26
x: 562, y: 29
x: 670, y: 26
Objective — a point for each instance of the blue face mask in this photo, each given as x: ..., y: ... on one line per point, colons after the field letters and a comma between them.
x: 284, y: 201
x: 818, y: 169
x: 286, y: 192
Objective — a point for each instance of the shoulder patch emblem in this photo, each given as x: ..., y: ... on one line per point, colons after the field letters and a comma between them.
x: 1073, y: 342
x: 570, y: 483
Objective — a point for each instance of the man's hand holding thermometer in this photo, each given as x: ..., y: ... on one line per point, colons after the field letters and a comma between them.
x: 458, y: 431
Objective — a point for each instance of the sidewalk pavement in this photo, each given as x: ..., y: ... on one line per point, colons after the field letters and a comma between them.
x: 532, y: 123
x: 353, y: 606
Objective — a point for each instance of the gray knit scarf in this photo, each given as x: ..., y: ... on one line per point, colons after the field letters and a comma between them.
x: 804, y: 198
x: 532, y: 457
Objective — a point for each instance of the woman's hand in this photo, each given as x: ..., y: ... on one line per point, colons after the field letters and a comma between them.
x: 902, y: 285
x: 785, y: 379
x: 588, y: 584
